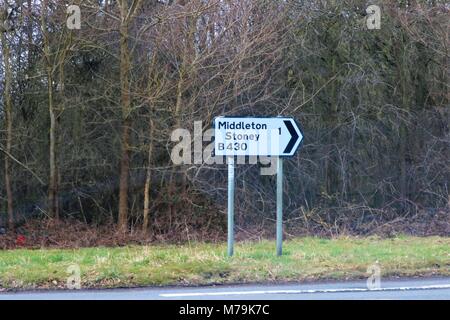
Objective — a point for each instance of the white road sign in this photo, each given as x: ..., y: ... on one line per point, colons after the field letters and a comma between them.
x: 245, y: 136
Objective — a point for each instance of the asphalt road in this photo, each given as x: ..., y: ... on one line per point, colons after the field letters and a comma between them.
x: 405, y: 289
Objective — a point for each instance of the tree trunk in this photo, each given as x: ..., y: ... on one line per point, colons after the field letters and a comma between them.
x: 124, y: 169
x: 403, y: 130
x: 52, y: 197
x: 148, y: 180
x: 332, y: 121
x: 52, y: 183
x: 126, y: 15
x: 8, y: 120
x: 58, y: 140
x: 126, y: 108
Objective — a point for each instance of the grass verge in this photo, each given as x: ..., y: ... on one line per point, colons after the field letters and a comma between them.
x: 198, y: 263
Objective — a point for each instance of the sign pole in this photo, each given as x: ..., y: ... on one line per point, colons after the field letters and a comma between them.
x: 230, y: 206
x: 280, y: 206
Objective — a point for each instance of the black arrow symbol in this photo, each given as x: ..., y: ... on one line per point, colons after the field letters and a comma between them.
x: 294, y: 136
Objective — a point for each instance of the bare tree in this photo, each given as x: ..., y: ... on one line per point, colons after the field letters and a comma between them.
x: 127, y: 13
x: 4, y: 28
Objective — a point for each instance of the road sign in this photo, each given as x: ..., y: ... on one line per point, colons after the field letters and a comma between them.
x: 246, y: 136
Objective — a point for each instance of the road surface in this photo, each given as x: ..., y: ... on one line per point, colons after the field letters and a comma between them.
x: 430, y: 288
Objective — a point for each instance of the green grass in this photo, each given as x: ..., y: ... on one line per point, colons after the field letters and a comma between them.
x: 200, y: 263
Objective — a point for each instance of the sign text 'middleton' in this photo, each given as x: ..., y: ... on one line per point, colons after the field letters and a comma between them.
x: 233, y: 125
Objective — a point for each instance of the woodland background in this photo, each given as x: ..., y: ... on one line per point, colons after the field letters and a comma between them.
x: 86, y: 115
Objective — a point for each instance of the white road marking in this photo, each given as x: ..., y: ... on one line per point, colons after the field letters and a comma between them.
x: 339, y: 290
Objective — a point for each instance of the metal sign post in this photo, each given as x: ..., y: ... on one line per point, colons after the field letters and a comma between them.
x: 249, y: 136
x: 279, y: 206
x: 230, y: 206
